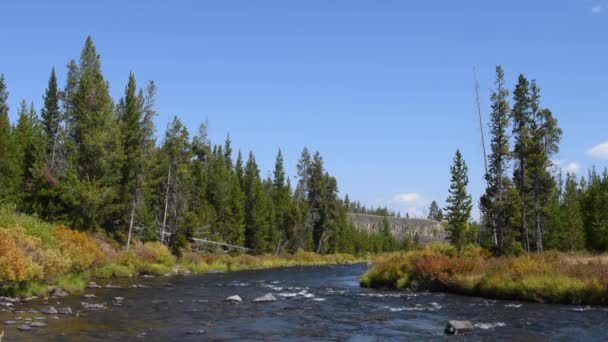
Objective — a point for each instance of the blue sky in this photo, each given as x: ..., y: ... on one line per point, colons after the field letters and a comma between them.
x: 383, y: 89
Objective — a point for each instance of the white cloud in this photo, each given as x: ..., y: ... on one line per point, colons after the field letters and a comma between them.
x: 412, y: 203
x: 572, y: 167
x: 407, y: 198
x: 599, y: 8
x: 599, y: 151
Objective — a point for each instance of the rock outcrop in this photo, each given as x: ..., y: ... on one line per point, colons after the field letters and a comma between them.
x: 426, y: 230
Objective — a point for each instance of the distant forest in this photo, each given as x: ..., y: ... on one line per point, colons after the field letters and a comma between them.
x: 94, y: 164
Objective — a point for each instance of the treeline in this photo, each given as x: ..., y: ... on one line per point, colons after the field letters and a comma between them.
x: 356, y: 207
x: 94, y: 164
x: 536, y: 208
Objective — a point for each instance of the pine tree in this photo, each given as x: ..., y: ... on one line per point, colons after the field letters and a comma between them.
x: 29, y: 153
x: 493, y: 201
x: 281, y: 196
x: 572, y: 218
x: 259, y: 218
x: 9, y: 180
x: 51, y: 121
x: 435, y: 212
x: 543, y: 144
x: 521, y: 116
x: 132, y: 137
x: 459, y: 204
x: 93, y: 182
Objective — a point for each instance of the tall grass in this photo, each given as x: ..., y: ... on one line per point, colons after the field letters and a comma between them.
x: 548, y: 277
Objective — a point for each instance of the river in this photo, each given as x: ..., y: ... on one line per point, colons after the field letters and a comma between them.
x: 314, y: 303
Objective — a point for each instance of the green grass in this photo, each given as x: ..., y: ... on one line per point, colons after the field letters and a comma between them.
x: 73, y: 283
x: 549, y: 277
x: 32, y: 225
x: 24, y: 289
x: 113, y: 270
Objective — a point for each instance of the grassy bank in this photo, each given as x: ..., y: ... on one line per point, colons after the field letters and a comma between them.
x: 35, y: 254
x: 549, y: 277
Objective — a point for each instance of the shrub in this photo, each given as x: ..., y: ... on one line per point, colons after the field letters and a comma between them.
x: 80, y: 248
x: 12, y: 259
x: 155, y: 253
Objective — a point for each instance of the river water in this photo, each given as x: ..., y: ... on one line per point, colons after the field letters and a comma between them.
x: 314, y: 303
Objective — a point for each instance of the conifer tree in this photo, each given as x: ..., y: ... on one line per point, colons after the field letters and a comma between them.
x: 29, y: 152
x: 521, y: 116
x: 459, y: 204
x: 435, y: 212
x: 51, y: 121
x: 9, y: 181
x: 572, y: 218
x: 281, y: 196
x: 493, y: 201
x: 132, y: 137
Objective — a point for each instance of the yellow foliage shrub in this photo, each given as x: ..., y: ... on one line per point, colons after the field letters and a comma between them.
x: 80, y: 248
x: 12, y: 260
x: 154, y: 253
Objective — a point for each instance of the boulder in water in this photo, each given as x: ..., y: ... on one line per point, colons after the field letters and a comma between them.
x: 89, y: 306
x: 49, y: 310
x: 59, y: 292
x: 38, y: 324
x: 458, y: 327
x: 24, y: 327
x: 266, y: 298
x: 235, y: 298
x: 64, y: 311
x: 195, y: 332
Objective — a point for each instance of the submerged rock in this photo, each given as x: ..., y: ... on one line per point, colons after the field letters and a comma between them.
x: 90, y: 306
x: 59, y: 292
x: 38, y: 324
x: 64, y: 311
x: 24, y: 327
x: 10, y: 322
x: 195, y: 332
x: 49, y: 310
x: 458, y: 327
x: 89, y: 296
x: 93, y: 285
x: 235, y: 298
x: 266, y: 298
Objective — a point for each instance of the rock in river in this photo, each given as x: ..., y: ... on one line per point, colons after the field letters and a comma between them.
x: 38, y: 324
x: 24, y: 327
x: 59, y: 292
x: 235, y: 298
x: 458, y: 327
x: 266, y: 298
x: 49, y: 310
x: 89, y: 306
x: 195, y: 332
x: 64, y: 311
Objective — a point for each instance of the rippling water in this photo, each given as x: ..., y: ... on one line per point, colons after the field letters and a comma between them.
x: 314, y: 303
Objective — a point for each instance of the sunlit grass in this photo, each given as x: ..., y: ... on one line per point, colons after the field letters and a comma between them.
x: 548, y: 277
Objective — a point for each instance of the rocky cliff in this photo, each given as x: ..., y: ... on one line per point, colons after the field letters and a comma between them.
x: 427, y: 230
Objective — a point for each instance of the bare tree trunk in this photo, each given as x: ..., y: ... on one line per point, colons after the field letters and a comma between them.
x: 320, y: 243
x: 279, y: 245
x: 131, y: 223
x: 162, y: 234
x: 524, y: 225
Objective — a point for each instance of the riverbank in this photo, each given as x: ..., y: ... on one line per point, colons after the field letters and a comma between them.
x: 36, y: 257
x: 549, y: 277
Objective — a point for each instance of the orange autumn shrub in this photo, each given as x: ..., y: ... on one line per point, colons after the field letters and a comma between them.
x: 154, y: 253
x: 12, y: 260
x: 80, y: 248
